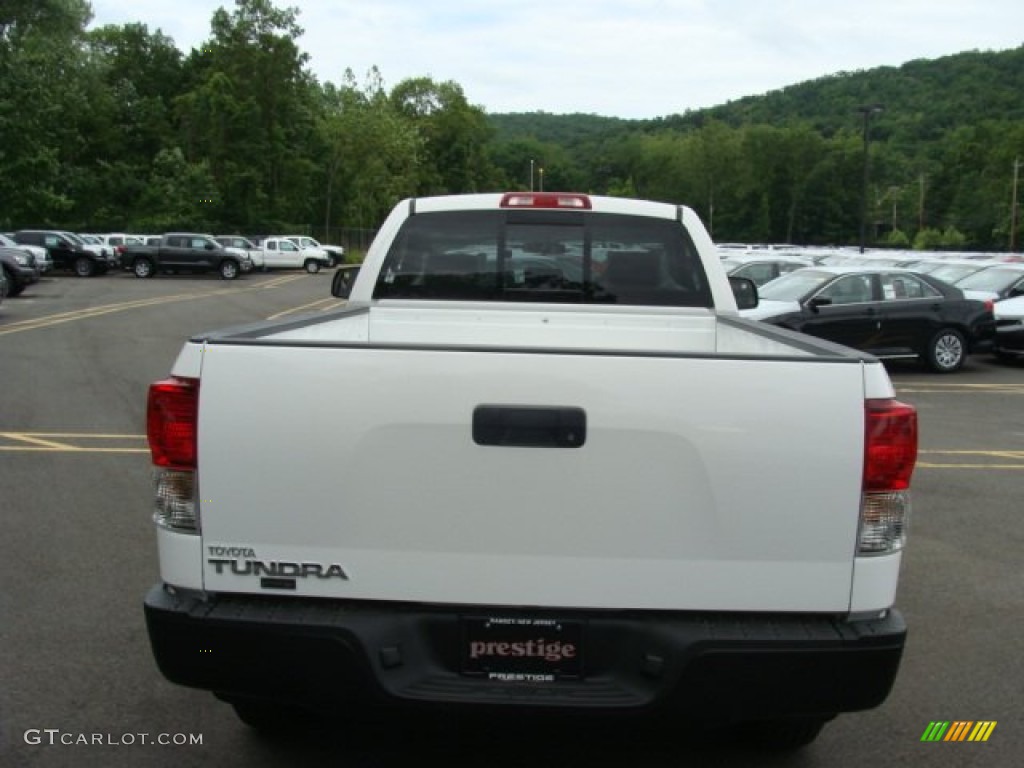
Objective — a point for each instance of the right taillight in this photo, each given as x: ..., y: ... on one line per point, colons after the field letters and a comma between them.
x: 890, y: 452
x: 172, y: 418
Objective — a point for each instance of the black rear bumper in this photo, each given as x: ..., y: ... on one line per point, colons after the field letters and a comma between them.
x: 715, y: 667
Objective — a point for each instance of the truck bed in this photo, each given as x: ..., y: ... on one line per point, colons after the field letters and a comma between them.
x: 689, y: 487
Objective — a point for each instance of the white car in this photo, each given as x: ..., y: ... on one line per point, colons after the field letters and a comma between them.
x: 238, y: 243
x: 335, y: 252
x: 996, y: 282
x: 1009, y: 315
x: 764, y: 266
x: 283, y: 252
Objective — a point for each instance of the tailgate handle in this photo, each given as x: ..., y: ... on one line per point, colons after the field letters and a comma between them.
x: 529, y: 426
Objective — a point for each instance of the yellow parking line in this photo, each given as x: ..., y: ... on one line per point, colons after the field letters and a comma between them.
x: 926, y: 465
x: 90, y: 435
x: 68, y: 450
x: 1011, y: 454
x: 87, y: 314
x: 106, y: 309
x: 293, y: 310
x: 68, y: 442
x: 935, y: 388
x: 279, y: 281
x: 971, y: 459
x: 35, y: 441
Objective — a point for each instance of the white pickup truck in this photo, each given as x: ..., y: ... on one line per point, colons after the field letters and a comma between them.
x: 285, y: 252
x: 568, y: 477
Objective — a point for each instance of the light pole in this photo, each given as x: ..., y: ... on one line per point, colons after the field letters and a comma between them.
x: 867, y: 111
x: 1013, y: 206
x: 531, y: 174
x: 541, y: 171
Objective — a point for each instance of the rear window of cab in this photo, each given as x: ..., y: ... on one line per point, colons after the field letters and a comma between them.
x: 546, y: 256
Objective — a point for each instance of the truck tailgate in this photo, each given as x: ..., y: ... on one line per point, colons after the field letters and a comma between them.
x: 701, y: 483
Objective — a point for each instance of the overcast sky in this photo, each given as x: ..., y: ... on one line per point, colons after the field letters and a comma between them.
x: 619, y: 58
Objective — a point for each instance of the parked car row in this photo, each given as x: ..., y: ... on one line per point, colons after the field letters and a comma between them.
x: 227, y: 254
x: 65, y: 251
x: 28, y: 254
x: 938, y: 310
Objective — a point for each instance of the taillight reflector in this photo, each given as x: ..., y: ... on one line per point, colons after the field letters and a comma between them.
x: 545, y: 200
x: 171, y: 422
x: 890, y: 445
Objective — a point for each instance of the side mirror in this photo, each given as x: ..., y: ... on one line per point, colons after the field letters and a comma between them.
x: 344, y: 279
x: 745, y: 291
x: 818, y: 301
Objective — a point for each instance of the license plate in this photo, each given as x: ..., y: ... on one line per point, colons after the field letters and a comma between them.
x: 517, y: 649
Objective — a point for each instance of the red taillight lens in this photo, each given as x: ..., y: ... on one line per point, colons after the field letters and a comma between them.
x: 890, y: 445
x: 545, y: 200
x: 171, y: 420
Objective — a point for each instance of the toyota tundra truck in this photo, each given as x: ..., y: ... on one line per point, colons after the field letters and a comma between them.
x: 566, y: 477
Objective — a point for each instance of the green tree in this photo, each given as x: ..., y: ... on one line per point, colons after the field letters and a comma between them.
x: 371, y: 153
x: 453, y: 132
x: 136, y: 76
x: 249, y: 113
x: 177, y: 194
x: 43, y: 103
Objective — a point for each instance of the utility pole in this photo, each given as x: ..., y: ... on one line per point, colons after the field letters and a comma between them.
x: 920, y: 203
x: 711, y: 213
x: 1013, y: 206
x: 867, y: 112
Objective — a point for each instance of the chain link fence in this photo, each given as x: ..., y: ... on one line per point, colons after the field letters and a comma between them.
x: 355, y: 241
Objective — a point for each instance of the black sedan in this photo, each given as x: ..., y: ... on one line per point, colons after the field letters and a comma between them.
x: 891, y: 313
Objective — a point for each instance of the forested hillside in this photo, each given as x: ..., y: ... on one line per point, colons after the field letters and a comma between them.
x: 788, y: 165
x: 117, y: 129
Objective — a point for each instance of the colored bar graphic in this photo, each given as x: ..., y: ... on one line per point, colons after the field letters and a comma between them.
x: 982, y: 730
x: 958, y: 730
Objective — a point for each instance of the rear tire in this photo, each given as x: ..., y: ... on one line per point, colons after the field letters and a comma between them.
x: 946, y: 351
x: 785, y: 735
x: 273, y: 719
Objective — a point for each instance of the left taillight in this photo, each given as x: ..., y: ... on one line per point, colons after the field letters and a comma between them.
x: 172, y: 418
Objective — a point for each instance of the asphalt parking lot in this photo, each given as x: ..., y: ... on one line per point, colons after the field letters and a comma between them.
x: 77, y: 556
